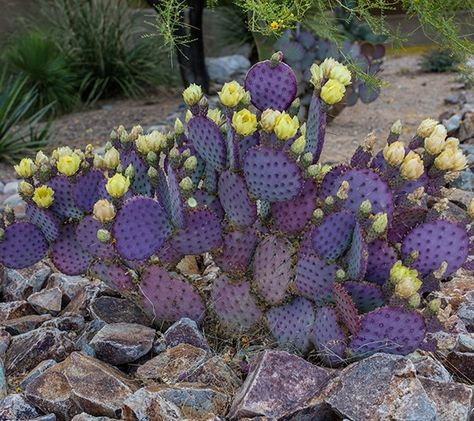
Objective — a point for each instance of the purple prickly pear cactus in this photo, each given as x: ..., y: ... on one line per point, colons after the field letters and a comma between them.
x: 86, y: 236
x: 113, y: 274
x: 68, y: 255
x: 88, y: 189
x: 64, y: 204
x: 45, y: 220
x: 366, y: 296
x: 357, y: 255
x: 381, y: 257
x: 346, y: 309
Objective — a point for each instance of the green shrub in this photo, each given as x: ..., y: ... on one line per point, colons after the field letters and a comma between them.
x: 439, y: 61
x: 45, y: 68
x: 21, y: 132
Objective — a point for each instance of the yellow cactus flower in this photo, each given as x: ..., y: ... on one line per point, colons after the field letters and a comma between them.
x: 268, y: 119
x: 274, y: 25
x: 244, y: 122
x: 394, y: 153
x: 117, y: 186
x: 104, y: 211
x: 215, y: 115
x: 156, y: 140
x: 26, y: 168
x: 61, y: 151
x: 459, y: 161
x: 327, y: 65
x: 192, y: 94
x: 426, y: 127
x: 297, y: 147
x: 112, y: 158
x: 435, y: 142
x: 26, y: 189
x: 451, y: 159
x: 380, y: 222
x: 412, y: 166
x: 316, y: 75
x: 68, y: 164
x: 231, y: 94
x: 43, y: 196
x: 41, y: 159
x: 143, y: 144
x: 407, y: 287
x: 341, y: 73
x: 188, y: 116
x: 332, y: 92
x: 286, y: 126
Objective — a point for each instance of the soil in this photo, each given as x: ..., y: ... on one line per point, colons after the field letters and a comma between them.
x: 409, y: 95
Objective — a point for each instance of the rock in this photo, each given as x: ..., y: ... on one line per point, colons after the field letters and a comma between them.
x: 457, y: 291
x: 466, y: 342
x: 453, y: 400
x: 466, y: 129
x: 466, y: 314
x: 184, y: 331
x: 25, y: 324
x: 69, y: 285
x: 452, y: 124
x: 27, y: 350
x: 87, y: 417
x: 11, y: 187
x: 429, y: 368
x: 122, y: 343
x: 380, y: 387
x: 2, y: 187
x: 39, y: 369
x: 80, y: 384
x: 15, y: 407
x: 223, y: 69
x: 451, y: 100
x: 67, y: 322
x: 118, y: 310
x: 49, y: 417
x: 91, y: 329
x: 5, y: 339
x: 193, y: 400
x: 461, y: 366
x: 47, y: 300
x: 3, y: 381
x: 465, y: 181
x: 19, y: 284
x: 14, y: 309
x: 173, y: 364
x: 278, y: 385
x: 146, y: 405
x: 80, y: 303
x: 188, y: 266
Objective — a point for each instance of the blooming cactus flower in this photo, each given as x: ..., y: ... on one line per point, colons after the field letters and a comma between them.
x: 104, y: 211
x: 231, y: 94
x: 435, y: 142
x: 244, y: 122
x: 25, y: 168
x: 341, y: 73
x: 286, y: 126
x: 192, y: 94
x: 117, y: 186
x: 394, y: 153
x: 69, y: 164
x: 412, y: 166
x: 268, y: 119
x: 332, y: 92
x: 43, y: 196
x: 426, y: 127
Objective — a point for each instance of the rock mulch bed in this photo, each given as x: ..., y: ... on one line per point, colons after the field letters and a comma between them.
x: 72, y: 349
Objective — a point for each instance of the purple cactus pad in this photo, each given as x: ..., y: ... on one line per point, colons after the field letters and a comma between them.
x: 168, y: 255
x: 86, y: 235
x: 141, y: 182
x: 64, y: 203
x: 169, y: 298
x: 273, y: 268
x: 23, y: 245
x: 437, y: 241
x: 315, y: 127
x: 328, y: 337
x: 68, y: 255
x: 233, y: 195
x: 366, y: 296
x: 140, y: 228
x: 381, y: 258
x: 404, y: 220
x: 210, y: 180
x: 271, y: 174
x: 393, y: 330
x: 291, y: 324
x: 45, y: 220
x: 271, y: 84
x: 211, y: 201
x: 88, y: 189
x: 176, y: 203
x: 234, y: 304
x: 209, y: 143
x: 327, y: 185
x: 356, y: 258
x: 346, y: 309
x: 113, y: 275
x: 246, y: 143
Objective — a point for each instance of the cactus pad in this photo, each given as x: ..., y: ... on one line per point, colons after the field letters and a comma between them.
x: 271, y: 85
x: 328, y: 337
x: 381, y: 258
x: 208, y: 141
x: 246, y: 143
x: 366, y: 296
x: 140, y: 228
x: 357, y: 255
x: 273, y: 268
x: 315, y: 278
x: 404, y: 220
x: 64, y: 203
x: 271, y: 174
x: 211, y: 201
x: 169, y: 298
x: 291, y: 216
x: 23, y: 245
x: 68, y: 255
x: 86, y: 235
x: 113, y: 275
x: 168, y: 255
x: 327, y: 185
x: 291, y: 324
x: 437, y: 241
x: 201, y: 234
x: 315, y: 127
x: 234, y: 304
x: 346, y: 309
x: 45, y: 220
x: 141, y: 182
x: 233, y: 195
x: 88, y: 189
x: 176, y: 204
x: 331, y: 238
x: 393, y: 330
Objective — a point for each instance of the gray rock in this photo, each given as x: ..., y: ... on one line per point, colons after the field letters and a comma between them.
x: 11, y: 187
x: 27, y: 350
x: 184, y: 331
x: 80, y: 303
x: 429, y: 368
x: 19, y: 284
x: 465, y: 181
x: 2, y: 187
x: 69, y: 285
x: 14, y: 309
x: 122, y: 343
x: 39, y: 369
x: 173, y: 364
x: 453, y: 123
x: 223, y: 69
x: 3, y: 381
x: 461, y: 366
x: 49, y: 417
x: 118, y: 310
x: 25, y: 324
x: 5, y: 339
x: 146, y: 405
x: 451, y: 100
x: 82, y: 342
x: 466, y: 342
x: 15, y: 407
x: 466, y: 314
x: 80, y: 384
x: 87, y: 417
x: 380, y: 387
x: 47, y: 300
x: 278, y: 385
x: 67, y: 322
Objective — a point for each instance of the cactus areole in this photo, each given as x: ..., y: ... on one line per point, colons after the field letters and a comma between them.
x: 340, y: 260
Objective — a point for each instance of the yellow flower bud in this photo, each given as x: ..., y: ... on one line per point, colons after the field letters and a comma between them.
x: 231, y: 94
x: 178, y: 127
x: 396, y: 127
x: 332, y: 92
x: 451, y: 142
x: 135, y: 132
x: 118, y: 185
x: 155, y: 141
x: 142, y: 144
x: 398, y: 272
x: 192, y: 94
x: 26, y: 189
x: 426, y: 127
x: 98, y: 161
x: 215, y: 115
x: 316, y: 75
x: 104, y: 236
x: 188, y: 116
x: 341, y: 73
x: 286, y: 126
x: 104, y: 211
x: 459, y: 161
x: 43, y: 196
x: 414, y: 301
x: 451, y: 159
x: 380, y: 222
x: 327, y: 65
x: 190, y: 164
x: 394, y: 153
x: 25, y: 168
x: 69, y: 164
x: 407, y: 287
x: 112, y: 158
x: 268, y: 119
x: 435, y: 142
x: 244, y: 122
x: 412, y: 166
x: 186, y: 184
x: 41, y: 159
x: 297, y: 147
x: 62, y: 151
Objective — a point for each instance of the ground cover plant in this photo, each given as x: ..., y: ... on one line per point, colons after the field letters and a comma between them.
x: 341, y: 259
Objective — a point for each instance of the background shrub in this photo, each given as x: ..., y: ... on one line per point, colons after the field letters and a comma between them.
x: 439, y: 61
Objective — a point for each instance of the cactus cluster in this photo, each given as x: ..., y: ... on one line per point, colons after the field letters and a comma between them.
x: 337, y: 259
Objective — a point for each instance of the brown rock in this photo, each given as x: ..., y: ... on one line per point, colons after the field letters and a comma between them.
x: 15, y: 407
x: 47, y: 300
x: 118, y: 310
x: 80, y: 384
x: 39, y: 369
x: 14, y: 309
x: 430, y: 368
x: 87, y: 417
x: 184, y: 331
x: 69, y: 322
x: 461, y: 366
x: 5, y: 339
x: 20, y: 284
x: 173, y: 364
x: 466, y: 130
x: 69, y: 285
x: 25, y: 324
x: 457, y: 290
x: 81, y: 301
